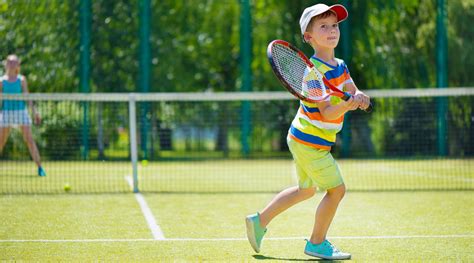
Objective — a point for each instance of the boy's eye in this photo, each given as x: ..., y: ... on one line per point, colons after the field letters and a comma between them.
x: 325, y: 27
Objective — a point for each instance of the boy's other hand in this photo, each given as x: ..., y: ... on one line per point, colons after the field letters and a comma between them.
x: 364, y: 100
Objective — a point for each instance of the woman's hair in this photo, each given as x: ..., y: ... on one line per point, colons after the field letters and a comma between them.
x: 13, y: 57
x: 323, y: 15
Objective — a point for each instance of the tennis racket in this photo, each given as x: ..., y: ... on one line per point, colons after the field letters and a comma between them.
x: 299, y: 76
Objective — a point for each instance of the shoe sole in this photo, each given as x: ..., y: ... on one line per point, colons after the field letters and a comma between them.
x: 251, y: 234
x: 326, y: 257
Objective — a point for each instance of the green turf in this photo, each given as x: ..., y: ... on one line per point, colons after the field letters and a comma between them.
x: 70, y: 217
x: 264, y: 175
x: 118, y: 216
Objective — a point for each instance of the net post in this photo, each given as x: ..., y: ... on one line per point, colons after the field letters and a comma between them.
x: 144, y: 73
x: 84, y: 68
x: 133, y: 139
x: 441, y: 76
x: 346, y: 136
x: 246, y: 72
x: 85, y: 130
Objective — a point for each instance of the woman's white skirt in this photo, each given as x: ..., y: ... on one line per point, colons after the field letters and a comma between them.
x: 11, y: 118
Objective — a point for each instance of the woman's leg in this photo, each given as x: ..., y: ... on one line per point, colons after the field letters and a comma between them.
x: 28, y: 137
x: 4, y: 132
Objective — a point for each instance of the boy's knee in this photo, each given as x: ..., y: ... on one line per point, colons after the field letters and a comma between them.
x: 338, y: 192
x: 307, y: 192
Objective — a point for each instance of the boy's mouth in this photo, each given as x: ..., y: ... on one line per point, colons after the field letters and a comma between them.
x: 332, y: 38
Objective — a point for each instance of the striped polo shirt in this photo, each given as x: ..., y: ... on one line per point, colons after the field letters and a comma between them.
x: 309, y: 127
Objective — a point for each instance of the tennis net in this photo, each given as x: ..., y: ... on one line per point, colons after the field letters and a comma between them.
x: 415, y: 139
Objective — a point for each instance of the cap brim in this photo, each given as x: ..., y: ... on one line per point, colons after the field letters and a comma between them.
x: 340, y: 11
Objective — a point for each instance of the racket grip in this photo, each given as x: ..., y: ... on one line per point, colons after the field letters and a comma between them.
x: 370, y: 108
x: 346, y: 96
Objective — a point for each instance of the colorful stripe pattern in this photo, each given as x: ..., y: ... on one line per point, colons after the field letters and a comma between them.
x: 309, y: 126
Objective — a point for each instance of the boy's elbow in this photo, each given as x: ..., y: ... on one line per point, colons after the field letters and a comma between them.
x: 330, y: 114
x: 326, y: 116
x: 332, y: 118
x: 325, y: 111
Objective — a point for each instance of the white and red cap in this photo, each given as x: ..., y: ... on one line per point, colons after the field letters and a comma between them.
x: 318, y: 9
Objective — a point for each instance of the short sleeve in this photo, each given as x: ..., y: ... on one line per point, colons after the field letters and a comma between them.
x: 347, y: 74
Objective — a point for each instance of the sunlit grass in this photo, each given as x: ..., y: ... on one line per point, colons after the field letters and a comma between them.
x: 439, y: 219
x: 238, y: 175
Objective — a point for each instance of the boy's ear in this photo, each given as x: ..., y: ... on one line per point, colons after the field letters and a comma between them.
x: 307, y: 37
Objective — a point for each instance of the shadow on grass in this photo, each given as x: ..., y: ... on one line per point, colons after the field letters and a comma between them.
x: 262, y: 257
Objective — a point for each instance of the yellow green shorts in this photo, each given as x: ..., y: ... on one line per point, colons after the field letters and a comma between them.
x: 315, y: 167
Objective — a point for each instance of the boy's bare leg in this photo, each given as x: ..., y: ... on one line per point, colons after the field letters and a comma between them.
x: 284, y: 200
x: 4, y: 131
x: 28, y: 137
x: 325, y: 213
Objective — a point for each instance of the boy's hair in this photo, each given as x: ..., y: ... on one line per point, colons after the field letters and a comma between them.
x: 320, y: 16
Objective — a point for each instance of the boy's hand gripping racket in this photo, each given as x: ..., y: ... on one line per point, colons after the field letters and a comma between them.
x: 299, y: 76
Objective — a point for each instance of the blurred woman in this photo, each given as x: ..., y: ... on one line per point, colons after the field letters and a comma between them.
x: 15, y: 113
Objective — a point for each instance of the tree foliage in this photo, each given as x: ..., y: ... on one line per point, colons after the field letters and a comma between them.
x: 195, y: 47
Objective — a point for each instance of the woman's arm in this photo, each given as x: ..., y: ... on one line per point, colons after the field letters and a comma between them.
x: 24, y: 87
x: 31, y: 105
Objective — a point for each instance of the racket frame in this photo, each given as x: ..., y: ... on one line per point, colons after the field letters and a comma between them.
x: 334, y: 91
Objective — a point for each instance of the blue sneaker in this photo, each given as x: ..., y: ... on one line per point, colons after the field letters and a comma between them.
x: 41, y: 171
x: 325, y: 250
x: 255, y: 231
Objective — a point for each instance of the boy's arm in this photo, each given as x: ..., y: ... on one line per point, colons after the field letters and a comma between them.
x: 333, y: 112
x: 359, y: 100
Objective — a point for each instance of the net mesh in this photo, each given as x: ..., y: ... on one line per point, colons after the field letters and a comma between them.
x: 187, y: 144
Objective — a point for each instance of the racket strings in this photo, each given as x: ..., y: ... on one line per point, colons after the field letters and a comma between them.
x: 302, y: 79
x: 291, y: 66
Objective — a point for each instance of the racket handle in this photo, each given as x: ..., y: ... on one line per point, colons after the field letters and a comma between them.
x: 346, y: 96
x: 370, y: 108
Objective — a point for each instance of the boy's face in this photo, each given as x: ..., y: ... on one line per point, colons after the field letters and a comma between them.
x: 324, y: 32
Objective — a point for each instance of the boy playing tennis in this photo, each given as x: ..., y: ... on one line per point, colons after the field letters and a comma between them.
x: 311, y: 136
